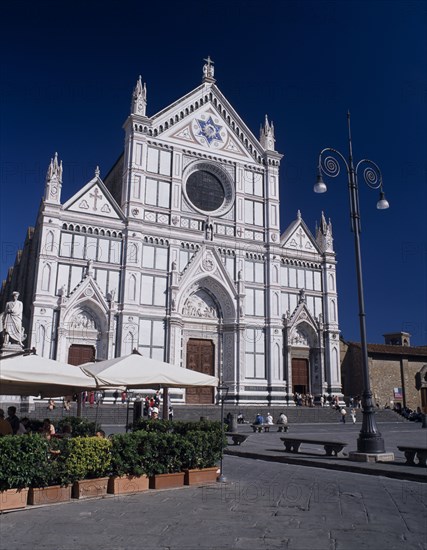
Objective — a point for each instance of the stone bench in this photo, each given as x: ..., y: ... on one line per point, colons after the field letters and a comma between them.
x: 282, y: 428
x: 411, y: 452
x: 292, y: 444
x: 260, y: 427
x: 236, y: 437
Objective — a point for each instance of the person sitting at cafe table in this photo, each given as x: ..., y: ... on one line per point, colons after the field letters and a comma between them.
x: 48, y: 429
x: 5, y: 427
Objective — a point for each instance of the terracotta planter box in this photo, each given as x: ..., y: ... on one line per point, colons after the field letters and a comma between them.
x: 199, y: 477
x: 122, y: 485
x: 49, y: 495
x: 90, y: 488
x: 13, y: 499
x: 167, y: 481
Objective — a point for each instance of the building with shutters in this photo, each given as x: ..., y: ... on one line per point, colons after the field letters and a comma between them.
x: 178, y: 252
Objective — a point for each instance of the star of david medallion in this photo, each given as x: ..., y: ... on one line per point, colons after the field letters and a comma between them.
x: 209, y: 130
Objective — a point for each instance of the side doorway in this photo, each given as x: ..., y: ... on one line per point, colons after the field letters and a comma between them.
x: 200, y: 358
x: 300, y: 379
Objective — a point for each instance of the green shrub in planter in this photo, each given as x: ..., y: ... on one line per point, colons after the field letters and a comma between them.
x: 127, y: 454
x: 88, y: 458
x: 163, y: 452
x: 23, y: 461
x: 79, y: 426
x: 205, y: 450
x: 148, y: 425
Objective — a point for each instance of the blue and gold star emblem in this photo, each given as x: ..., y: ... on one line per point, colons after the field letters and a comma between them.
x: 209, y: 130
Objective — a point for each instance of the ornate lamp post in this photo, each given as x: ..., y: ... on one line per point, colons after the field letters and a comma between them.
x: 370, y: 444
x: 222, y: 395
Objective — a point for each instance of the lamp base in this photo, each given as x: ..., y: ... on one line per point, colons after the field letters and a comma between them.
x: 357, y: 456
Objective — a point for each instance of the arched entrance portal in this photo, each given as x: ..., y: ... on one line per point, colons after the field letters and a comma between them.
x: 200, y: 358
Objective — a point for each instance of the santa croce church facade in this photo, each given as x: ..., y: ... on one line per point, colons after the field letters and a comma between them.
x: 178, y: 253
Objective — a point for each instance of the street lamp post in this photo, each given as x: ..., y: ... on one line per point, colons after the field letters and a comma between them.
x: 370, y: 444
x: 222, y: 395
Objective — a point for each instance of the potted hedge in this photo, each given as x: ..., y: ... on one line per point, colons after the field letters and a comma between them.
x: 129, y: 453
x: 201, y: 467
x: 88, y: 464
x: 22, y: 459
x: 166, y: 459
x: 53, y: 483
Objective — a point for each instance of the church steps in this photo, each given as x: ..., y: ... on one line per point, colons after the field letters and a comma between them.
x: 116, y: 414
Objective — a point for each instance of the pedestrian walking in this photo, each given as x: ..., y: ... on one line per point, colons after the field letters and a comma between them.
x: 353, y: 415
x: 343, y: 415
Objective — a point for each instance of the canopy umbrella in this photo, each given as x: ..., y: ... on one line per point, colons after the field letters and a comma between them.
x: 25, y: 374
x: 137, y: 371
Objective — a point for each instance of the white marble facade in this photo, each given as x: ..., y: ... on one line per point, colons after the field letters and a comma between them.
x: 180, y: 243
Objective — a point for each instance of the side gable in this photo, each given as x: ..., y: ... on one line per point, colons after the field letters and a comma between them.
x: 95, y: 199
x: 298, y: 237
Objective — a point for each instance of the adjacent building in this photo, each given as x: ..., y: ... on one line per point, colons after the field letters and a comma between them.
x: 397, y: 370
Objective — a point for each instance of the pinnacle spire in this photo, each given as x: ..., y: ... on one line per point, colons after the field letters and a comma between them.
x: 54, y: 170
x: 139, y: 98
x: 267, y: 138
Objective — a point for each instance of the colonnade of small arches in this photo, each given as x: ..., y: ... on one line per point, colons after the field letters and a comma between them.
x: 91, y: 230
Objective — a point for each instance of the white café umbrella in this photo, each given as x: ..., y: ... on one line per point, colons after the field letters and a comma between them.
x: 34, y: 375
x: 137, y: 371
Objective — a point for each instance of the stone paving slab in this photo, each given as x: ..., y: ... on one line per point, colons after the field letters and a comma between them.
x: 269, y: 447
x: 263, y: 505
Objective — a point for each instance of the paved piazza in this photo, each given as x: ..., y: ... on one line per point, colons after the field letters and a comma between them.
x: 263, y: 505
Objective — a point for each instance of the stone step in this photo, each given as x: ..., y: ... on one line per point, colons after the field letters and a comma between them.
x: 116, y: 414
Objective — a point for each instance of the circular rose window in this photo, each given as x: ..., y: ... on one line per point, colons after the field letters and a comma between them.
x: 208, y: 188
x: 205, y: 191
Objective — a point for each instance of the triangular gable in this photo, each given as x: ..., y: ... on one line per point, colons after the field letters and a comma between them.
x: 209, y: 124
x: 86, y: 290
x: 94, y: 199
x: 207, y: 262
x: 302, y: 314
x: 298, y: 237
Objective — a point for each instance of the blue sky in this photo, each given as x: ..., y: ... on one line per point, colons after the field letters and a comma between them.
x: 68, y: 70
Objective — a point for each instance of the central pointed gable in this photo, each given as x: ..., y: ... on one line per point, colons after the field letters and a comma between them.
x: 205, y: 119
x: 95, y: 199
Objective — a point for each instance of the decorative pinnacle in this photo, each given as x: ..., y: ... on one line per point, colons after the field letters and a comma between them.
x: 267, y: 135
x: 139, y: 98
x: 55, y: 169
x: 97, y: 172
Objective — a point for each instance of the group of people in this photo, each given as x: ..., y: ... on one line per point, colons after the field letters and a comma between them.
x: 12, y: 425
x: 306, y: 400
x: 281, y: 421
